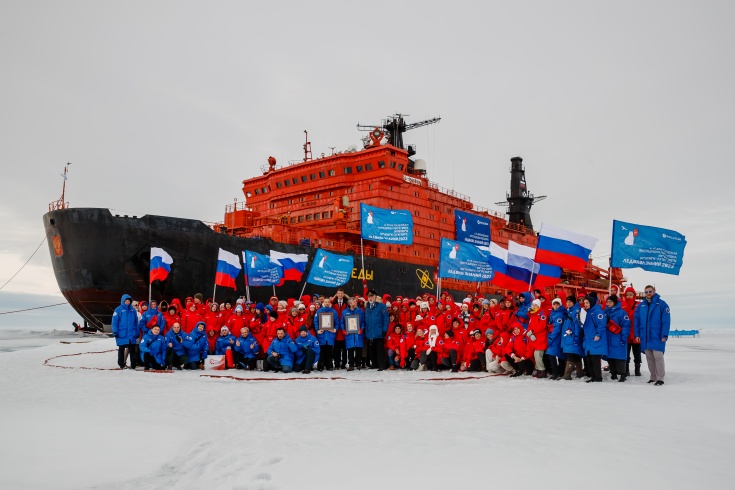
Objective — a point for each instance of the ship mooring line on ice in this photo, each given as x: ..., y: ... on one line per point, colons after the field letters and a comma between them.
x: 30, y: 309
x: 21, y: 268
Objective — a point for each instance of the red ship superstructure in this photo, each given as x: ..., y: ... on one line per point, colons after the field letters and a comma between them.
x: 316, y: 202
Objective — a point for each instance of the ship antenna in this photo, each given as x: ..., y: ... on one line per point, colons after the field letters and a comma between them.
x: 61, y: 203
x: 307, y: 147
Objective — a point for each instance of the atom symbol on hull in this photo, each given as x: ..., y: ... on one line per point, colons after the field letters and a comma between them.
x: 425, y: 278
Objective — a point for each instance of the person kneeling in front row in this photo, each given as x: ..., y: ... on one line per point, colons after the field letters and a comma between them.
x: 307, y: 353
x: 153, y: 349
x: 280, y: 353
x: 175, y: 352
x: 246, y: 350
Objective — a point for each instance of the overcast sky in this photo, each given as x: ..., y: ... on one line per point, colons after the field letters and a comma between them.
x: 620, y: 110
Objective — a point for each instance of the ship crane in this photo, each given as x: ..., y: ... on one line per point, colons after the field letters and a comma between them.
x: 394, y: 127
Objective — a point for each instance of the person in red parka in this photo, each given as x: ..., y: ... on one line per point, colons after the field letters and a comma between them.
x: 190, y: 318
x: 538, y: 330
x: 396, y: 347
x: 238, y: 320
x: 473, y: 358
x: 518, y: 354
x: 452, y: 351
x: 505, y: 318
x: 495, y: 356
x: 409, y: 341
x: 419, y: 347
x: 212, y: 320
x: 629, y: 304
x: 171, y: 317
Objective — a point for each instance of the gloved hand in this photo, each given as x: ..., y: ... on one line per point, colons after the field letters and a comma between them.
x: 114, y: 335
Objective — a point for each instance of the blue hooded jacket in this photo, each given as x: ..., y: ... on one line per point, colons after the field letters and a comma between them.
x: 155, y: 345
x: 556, y: 320
x: 244, y: 347
x: 652, y: 323
x: 146, y: 317
x: 522, y: 311
x: 285, y: 348
x: 125, y: 322
x: 223, y: 342
x: 595, y: 325
x: 327, y: 337
x: 354, y: 340
x: 376, y: 321
x: 572, y: 334
x: 303, y: 342
x: 196, y: 344
x: 173, y: 338
x: 617, y: 344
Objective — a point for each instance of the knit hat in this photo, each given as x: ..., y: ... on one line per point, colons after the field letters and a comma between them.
x: 260, y: 307
x: 477, y: 330
x: 556, y: 300
x: 485, y: 301
x: 613, y: 298
x: 303, y: 328
x: 449, y: 333
x: 238, y: 308
x: 489, y: 331
x: 536, y: 303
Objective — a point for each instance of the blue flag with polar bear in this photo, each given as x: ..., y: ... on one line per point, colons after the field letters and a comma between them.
x: 464, y: 261
x: 650, y: 248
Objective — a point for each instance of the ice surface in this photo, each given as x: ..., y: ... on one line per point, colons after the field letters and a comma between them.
x: 99, y: 428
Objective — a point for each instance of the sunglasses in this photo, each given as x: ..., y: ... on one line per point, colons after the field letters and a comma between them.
x: 649, y: 291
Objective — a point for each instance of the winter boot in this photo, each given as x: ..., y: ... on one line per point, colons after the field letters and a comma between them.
x: 637, y: 368
x: 568, y: 371
x: 540, y: 374
x: 622, y: 378
x: 455, y: 368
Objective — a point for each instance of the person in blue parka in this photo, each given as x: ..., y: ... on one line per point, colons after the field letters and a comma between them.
x: 557, y: 359
x: 354, y: 342
x: 308, y: 351
x: 652, y: 324
x: 196, y: 346
x: 246, y: 350
x: 618, y: 329
x: 175, y: 352
x: 524, y: 304
x: 125, y: 330
x: 571, y: 340
x: 281, y: 352
x: 594, y: 324
x: 225, y: 341
x: 376, y: 328
x: 153, y: 349
x: 150, y: 317
x: 326, y: 338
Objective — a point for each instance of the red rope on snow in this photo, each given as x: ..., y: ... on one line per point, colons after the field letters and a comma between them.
x: 46, y: 362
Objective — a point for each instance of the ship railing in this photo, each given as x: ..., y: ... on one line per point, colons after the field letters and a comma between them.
x: 56, y: 205
x: 458, y: 195
x: 237, y: 206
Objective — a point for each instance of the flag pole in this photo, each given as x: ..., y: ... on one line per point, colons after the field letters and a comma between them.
x: 274, y: 290
x: 530, y: 281
x: 302, y: 290
x: 150, y: 253
x: 149, y: 291
x: 364, y: 275
x: 214, y: 294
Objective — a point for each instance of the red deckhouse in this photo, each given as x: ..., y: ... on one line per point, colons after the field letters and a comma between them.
x: 316, y: 202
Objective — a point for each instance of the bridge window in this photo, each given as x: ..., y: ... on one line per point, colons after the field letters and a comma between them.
x: 348, y: 170
x: 279, y: 185
x: 381, y: 164
x: 368, y: 166
x: 327, y: 214
x: 287, y: 183
x: 304, y: 178
x: 359, y: 169
x: 322, y: 174
x: 295, y: 180
x: 312, y: 176
x: 400, y: 166
x: 257, y: 192
x: 308, y: 217
x: 392, y: 164
x: 332, y: 173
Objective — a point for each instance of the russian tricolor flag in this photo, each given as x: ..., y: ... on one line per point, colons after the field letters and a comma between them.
x: 160, y: 264
x: 228, y: 267
x: 501, y: 276
x: 522, y: 266
x: 564, y: 248
x: 293, y: 265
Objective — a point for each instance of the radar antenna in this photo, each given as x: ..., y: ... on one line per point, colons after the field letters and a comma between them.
x: 394, y: 127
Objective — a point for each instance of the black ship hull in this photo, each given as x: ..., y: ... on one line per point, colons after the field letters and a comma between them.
x: 98, y: 257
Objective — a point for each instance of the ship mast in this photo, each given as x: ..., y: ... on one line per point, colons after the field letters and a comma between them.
x: 61, y: 203
x: 519, y: 201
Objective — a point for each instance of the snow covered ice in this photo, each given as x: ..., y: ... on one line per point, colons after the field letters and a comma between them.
x: 90, y: 428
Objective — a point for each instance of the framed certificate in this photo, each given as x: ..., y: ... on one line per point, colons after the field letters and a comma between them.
x: 352, y: 323
x: 326, y: 321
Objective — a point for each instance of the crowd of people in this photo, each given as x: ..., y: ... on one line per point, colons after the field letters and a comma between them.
x: 527, y: 334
